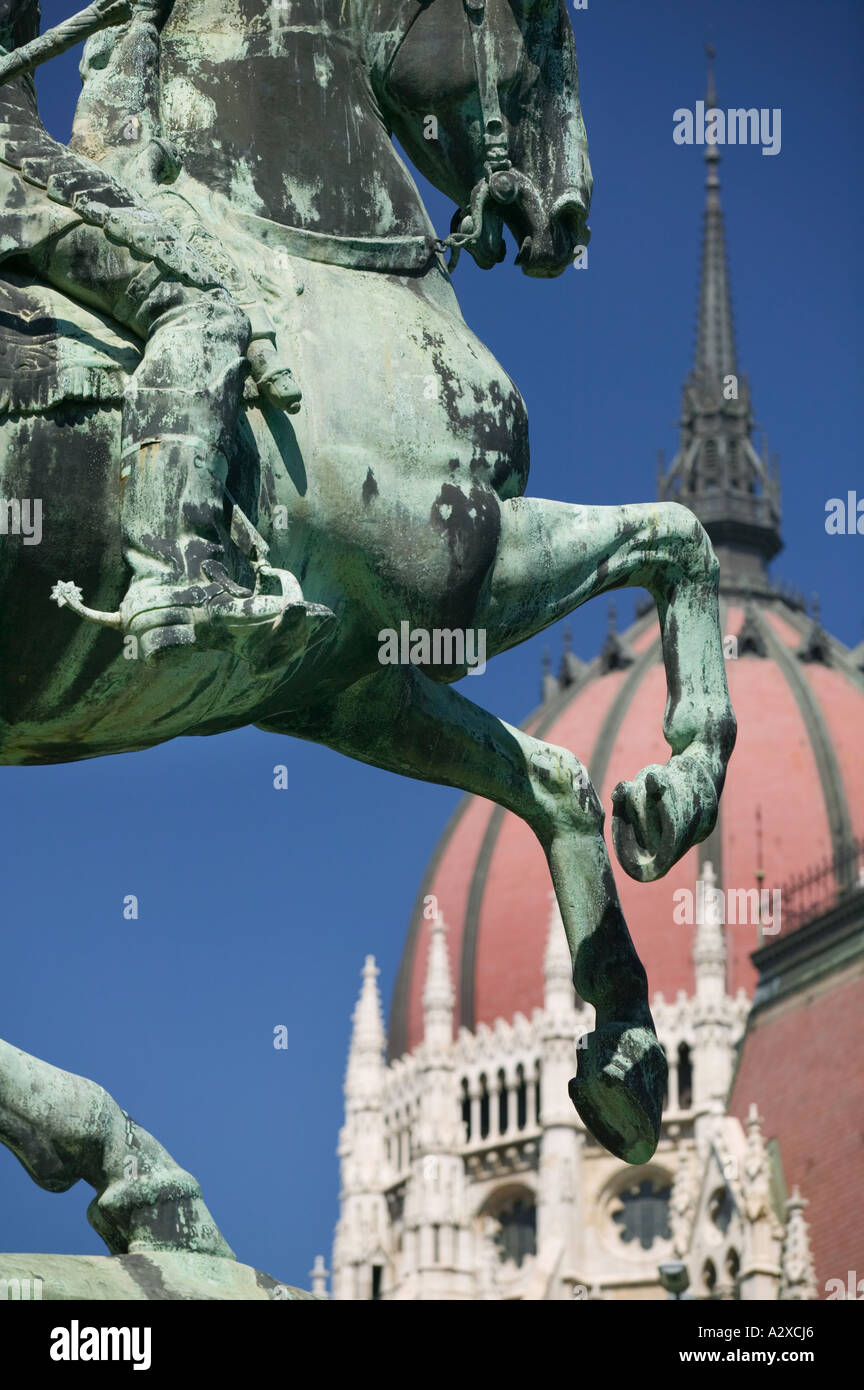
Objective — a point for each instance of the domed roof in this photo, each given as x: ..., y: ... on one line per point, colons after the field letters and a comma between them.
x: 794, y: 795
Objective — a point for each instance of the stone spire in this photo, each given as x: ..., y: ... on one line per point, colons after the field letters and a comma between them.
x: 717, y: 471
x: 362, y: 1150
x: 559, y: 1201
x: 713, y: 1020
x: 318, y: 1276
x: 438, y: 996
x: 799, y: 1275
x: 365, y: 1057
x: 684, y: 1198
x: 436, y: 1227
x: 760, y: 1268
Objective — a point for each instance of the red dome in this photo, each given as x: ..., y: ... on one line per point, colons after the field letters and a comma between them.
x: 795, y: 765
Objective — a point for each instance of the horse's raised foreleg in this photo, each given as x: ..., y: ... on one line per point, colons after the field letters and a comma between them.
x: 552, y: 557
x: 400, y: 720
x: 64, y: 1128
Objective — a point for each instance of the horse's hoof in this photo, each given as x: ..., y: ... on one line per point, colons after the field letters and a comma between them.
x: 619, y: 1087
x: 661, y: 814
x: 162, y: 1211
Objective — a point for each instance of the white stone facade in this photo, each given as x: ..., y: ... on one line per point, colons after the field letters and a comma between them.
x: 467, y: 1174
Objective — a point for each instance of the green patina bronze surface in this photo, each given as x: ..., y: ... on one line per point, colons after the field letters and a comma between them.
x: 231, y: 227
x: 153, y: 1277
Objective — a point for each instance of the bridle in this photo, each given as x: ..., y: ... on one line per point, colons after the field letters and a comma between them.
x: 500, y: 182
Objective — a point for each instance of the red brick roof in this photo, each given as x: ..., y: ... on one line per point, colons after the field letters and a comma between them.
x: 803, y: 1064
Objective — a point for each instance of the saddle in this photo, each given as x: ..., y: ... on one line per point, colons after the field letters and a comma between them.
x: 53, y: 350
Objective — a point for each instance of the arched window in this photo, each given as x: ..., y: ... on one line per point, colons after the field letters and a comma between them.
x: 517, y: 1233
x: 685, y: 1077
x: 733, y: 1269
x: 502, y: 1102
x: 521, y: 1098
x: 484, y: 1107
x: 709, y: 1277
x: 644, y: 1213
x: 466, y: 1108
x: 721, y: 1209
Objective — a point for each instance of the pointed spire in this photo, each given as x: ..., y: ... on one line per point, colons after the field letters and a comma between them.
x: 438, y: 995
x: 615, y: 655
x: 709, y: 946
x: 365, y: 1056
x: 756, y: 1177
x: 717, y: 471
x: 715, y: 340
x: 751, y: 641
x: 572, y: 669
x: 817, y: 644
x: 368, y: 1032
x: 799, y: 1274
x: 318, y: 1275
x: 548, y: 684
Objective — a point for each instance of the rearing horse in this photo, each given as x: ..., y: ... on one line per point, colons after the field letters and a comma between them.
x: 396, y: 494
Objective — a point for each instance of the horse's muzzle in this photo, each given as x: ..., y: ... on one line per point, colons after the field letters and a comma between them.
x: 548, y: 244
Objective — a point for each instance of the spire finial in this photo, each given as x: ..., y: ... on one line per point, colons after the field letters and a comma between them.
x: 710, y: 86
x: 717, y: 471
x: 367, y: 1035
x: 438, y: 997
x: 366, y: 1053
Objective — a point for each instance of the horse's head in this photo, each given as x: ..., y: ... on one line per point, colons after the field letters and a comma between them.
x: 484, y: 97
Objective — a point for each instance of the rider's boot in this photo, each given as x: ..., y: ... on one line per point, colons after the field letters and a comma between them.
x: 175, y: 533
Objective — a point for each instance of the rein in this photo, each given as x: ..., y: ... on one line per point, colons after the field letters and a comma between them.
x: 497, y: 165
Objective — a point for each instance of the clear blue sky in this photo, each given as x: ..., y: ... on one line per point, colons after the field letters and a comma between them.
x: 256, y: 906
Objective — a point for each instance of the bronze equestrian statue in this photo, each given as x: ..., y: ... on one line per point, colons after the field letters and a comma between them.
x: 230, y: 226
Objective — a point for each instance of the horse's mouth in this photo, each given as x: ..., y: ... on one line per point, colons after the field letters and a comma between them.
x: 550, y: 245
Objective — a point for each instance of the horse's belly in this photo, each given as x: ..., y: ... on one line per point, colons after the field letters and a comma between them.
x: 392, y: 375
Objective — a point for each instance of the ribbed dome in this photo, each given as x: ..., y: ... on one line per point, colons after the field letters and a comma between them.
x: 794, y: 795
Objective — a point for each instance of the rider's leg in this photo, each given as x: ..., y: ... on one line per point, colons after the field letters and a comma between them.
x: 179, y: 413
x: 63, y: 1128
x: 554, y: 556
x: 400, y: 720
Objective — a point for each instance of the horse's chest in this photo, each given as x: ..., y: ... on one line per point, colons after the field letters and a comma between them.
x: 399, y: 378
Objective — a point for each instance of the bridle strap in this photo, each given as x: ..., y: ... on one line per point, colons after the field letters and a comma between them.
x: 496, y: 183
x: 494, y: 133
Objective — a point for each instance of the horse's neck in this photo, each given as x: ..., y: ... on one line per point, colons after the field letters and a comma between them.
x: 276, y: 113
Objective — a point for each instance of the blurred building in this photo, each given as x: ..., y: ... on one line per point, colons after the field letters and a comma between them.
x: 466, y: 1173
